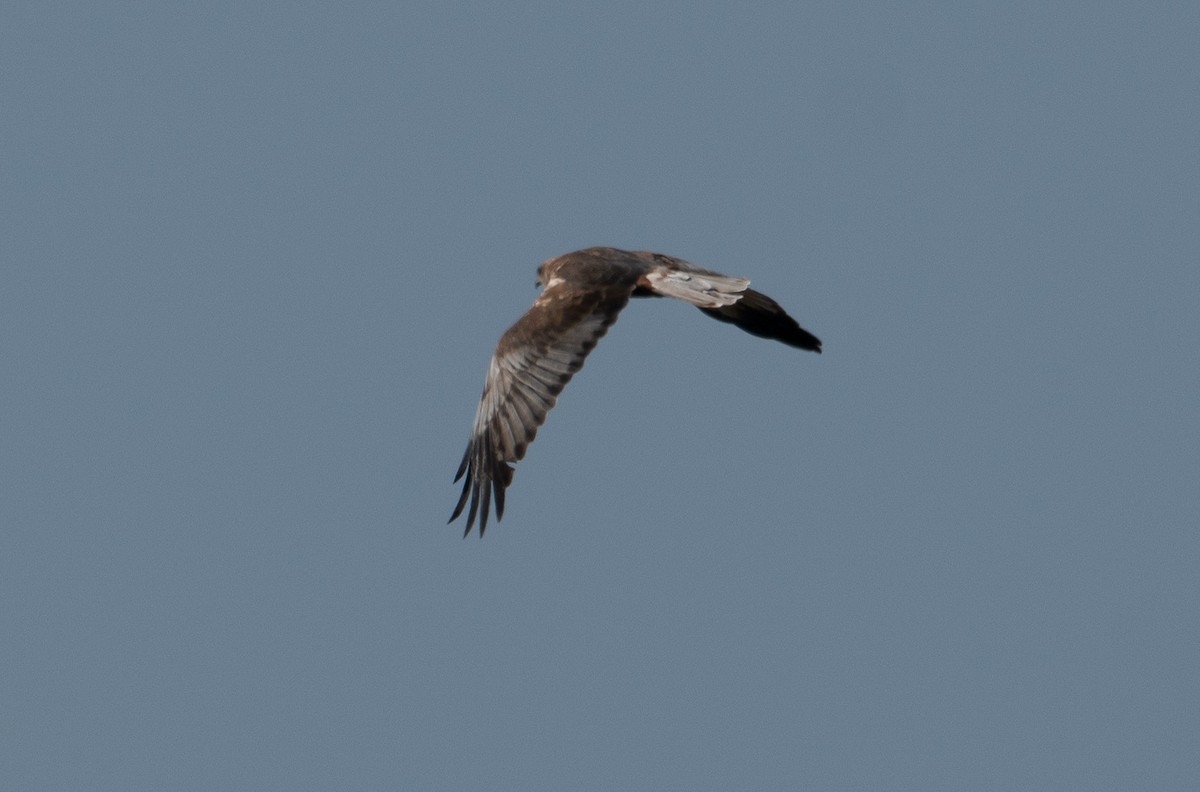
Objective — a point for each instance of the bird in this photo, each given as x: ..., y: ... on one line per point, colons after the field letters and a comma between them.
x: 582, y: 293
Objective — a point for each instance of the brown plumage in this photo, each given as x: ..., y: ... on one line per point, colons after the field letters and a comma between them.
x: 582, y: 294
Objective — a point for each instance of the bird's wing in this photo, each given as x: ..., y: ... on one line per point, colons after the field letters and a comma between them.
x: 727, y: 299
x: 702, y: 288
x: 759, y: 315
x: 534, y: 360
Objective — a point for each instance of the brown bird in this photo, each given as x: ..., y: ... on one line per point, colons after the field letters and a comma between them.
x: 581, y: 296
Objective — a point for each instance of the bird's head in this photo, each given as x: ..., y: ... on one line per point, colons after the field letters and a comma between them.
x: 546, y: 270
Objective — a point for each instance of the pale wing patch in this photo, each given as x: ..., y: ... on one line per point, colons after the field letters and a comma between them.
x: 705, y: 290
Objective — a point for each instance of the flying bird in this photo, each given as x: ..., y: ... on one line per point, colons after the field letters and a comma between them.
x: 582, y: 293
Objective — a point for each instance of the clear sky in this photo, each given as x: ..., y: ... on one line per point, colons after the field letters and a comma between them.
x: 256, y: 257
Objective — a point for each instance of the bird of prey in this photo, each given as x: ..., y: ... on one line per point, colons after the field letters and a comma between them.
x: 582, y: 293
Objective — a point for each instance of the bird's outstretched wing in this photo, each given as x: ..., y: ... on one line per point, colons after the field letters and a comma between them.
x: 534, y: 360
x: 759, y: 315
x: 724, y: 298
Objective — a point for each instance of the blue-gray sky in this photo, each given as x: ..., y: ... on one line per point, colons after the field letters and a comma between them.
x: 256, y: 257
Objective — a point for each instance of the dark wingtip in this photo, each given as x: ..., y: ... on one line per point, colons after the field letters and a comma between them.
x: 480, y: 491
x: 805, y: 340
x: 759, y: 315
x: 485, y: 503
x: 462, y: 500
x: 499, y: 493
x: 462, y: 466
x: 486, y: 478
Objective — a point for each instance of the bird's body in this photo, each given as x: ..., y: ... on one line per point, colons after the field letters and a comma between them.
x: 582, y: 294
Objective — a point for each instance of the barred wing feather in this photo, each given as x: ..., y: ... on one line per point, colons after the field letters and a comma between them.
x: 534, y: 361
